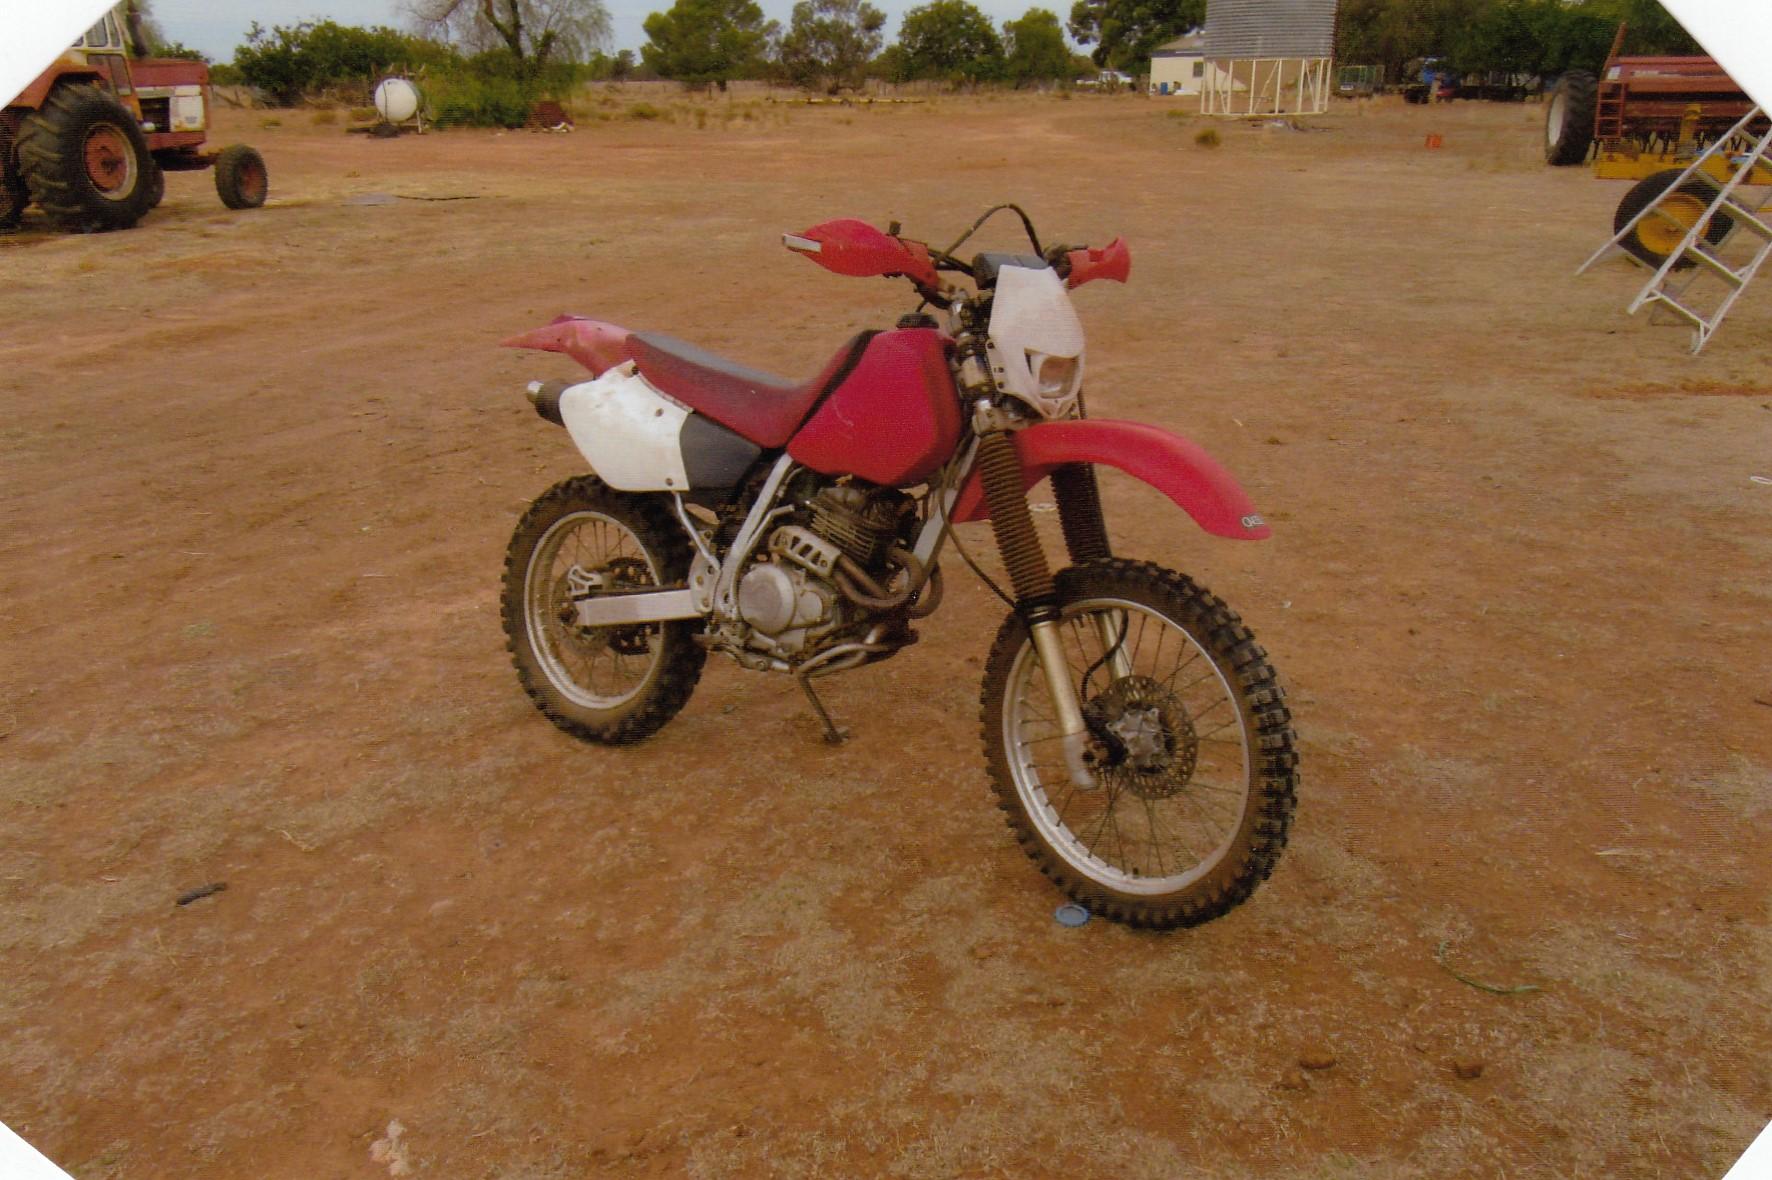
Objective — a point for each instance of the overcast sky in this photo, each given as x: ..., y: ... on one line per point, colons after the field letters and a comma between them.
x: 217, y: 26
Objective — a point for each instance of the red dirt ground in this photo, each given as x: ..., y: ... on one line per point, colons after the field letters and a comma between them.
x: 258, y: 473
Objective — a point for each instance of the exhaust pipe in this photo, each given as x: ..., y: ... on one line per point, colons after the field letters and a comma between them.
x: 545, y: 397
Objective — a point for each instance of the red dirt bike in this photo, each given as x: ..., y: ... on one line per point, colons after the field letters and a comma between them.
x: 1135, y: 732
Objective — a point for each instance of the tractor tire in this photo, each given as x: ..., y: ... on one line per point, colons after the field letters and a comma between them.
x: 85, y: 161
x: 156, y: 186
x: 1661, y: 233
x: 13, y: 194
x: 1569, y: 119
x: 13, y: 198
x: 240, y: 177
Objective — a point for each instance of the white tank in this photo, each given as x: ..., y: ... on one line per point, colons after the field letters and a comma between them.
x: 396, y: 99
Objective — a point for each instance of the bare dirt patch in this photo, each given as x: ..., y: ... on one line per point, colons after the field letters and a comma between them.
x: 258, y: 472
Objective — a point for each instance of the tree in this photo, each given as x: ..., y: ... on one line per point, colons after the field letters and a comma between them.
x: 952, y: 40
x: 703, y: 41
x: 830, y: 42
x: 1036, y: 49
x: 533, y: 32
x: 1125, y: 31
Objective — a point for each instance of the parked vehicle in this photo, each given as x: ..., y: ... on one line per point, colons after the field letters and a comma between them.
x: 1135, y: 732
x: 1645, y: 119
x: 91, y: 138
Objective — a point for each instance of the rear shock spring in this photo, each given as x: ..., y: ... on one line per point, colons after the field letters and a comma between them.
x: 1000, y: 472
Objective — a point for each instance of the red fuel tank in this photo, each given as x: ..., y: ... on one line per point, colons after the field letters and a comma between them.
x: 894, y: 420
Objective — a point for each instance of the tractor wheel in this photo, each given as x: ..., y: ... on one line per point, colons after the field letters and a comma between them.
x: 240, y: 177
x: 85, y: 161
x: 13, y: 196
x: 1569, y: 119
x: 156, y: 185
x: 1661, y: 233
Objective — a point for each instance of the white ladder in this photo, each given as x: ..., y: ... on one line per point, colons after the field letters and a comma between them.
x: 1701, y: 257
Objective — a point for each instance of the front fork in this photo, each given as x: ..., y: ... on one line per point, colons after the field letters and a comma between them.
x: 1036, y: 595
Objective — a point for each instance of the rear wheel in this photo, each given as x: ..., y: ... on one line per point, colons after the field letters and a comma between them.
x: 1661, y: 232
x: 601, y: 684
x: 85, y: 160
x: 1192, y: 748
x: 156, y: 184
x: 1569, y: 119
x: 241, y: 180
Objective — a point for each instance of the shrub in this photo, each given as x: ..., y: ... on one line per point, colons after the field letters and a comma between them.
x: 1208, y: 138
x: 466, y: 101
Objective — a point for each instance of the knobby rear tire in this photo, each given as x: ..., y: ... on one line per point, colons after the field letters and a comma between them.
x: 535, y: 613
x: 1245, y: 856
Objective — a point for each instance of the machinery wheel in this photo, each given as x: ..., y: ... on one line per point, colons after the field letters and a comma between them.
x: 240, y: 177
x: 1192, y: 748
x: 599, y: 684
x: 85, y: 160
x: 13, y: 199
x: 156, y: 184
x: 1569, y: 119
x: 1661, y: 233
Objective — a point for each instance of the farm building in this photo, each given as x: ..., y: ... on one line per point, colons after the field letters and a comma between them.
x: 1267, y: 57
x: 1179, y: 66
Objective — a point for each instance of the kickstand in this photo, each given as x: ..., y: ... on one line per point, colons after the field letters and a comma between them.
x: 832, y: 735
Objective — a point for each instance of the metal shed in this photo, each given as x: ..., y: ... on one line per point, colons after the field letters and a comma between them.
x: 1268, y: 57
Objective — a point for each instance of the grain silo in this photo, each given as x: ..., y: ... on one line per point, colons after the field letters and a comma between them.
x: 1268, y: 57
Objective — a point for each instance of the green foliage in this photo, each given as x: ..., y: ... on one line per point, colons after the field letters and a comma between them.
x: 708, y: 41
x: 949, y: 40
x: 179, y: 50
x: 463, y: 100
x: 1509, y: 36
x: 535, y: 33
x: 830, y: 42
x: 1036, y: 49
x: 1125, y: 31
x: 288, y: 61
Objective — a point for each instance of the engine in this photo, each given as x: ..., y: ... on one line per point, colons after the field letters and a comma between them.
x: 827, y: 573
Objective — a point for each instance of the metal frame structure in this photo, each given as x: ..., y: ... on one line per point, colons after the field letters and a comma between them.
x: 1746, y: 153
x: 1241, y: 88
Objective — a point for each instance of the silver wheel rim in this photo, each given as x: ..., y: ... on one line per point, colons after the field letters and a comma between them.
x: 583, y: 664
x: 1553, y: 121
x: 1115, y: 835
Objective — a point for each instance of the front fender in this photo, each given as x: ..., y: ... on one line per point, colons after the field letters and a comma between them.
x: 1177, y: 467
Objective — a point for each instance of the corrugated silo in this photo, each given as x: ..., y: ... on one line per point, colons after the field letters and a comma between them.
x: 1268, y: 57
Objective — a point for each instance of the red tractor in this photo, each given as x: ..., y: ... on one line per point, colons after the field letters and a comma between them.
x: 90, y: 141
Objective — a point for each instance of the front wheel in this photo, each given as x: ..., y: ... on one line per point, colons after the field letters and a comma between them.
x: 241, y: 180
x: 1191, y: 744
x: 602, y: 684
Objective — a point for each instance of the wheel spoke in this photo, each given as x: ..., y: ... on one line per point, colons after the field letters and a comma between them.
x: 1176, y: 711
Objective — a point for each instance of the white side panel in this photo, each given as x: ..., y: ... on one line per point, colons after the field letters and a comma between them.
x: 627, y: 431
x: 187, y: 113
x: 1032, y: 314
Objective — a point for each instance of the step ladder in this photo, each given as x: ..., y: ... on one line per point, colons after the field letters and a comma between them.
x: 1677, y: 287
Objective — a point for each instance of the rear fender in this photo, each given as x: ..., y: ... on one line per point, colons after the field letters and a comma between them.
x: 1177, y: 467
x: 594, y: 344
x: 66, y: 69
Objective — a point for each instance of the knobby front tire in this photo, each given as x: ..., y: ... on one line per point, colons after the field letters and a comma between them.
x: 1192, y: 746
